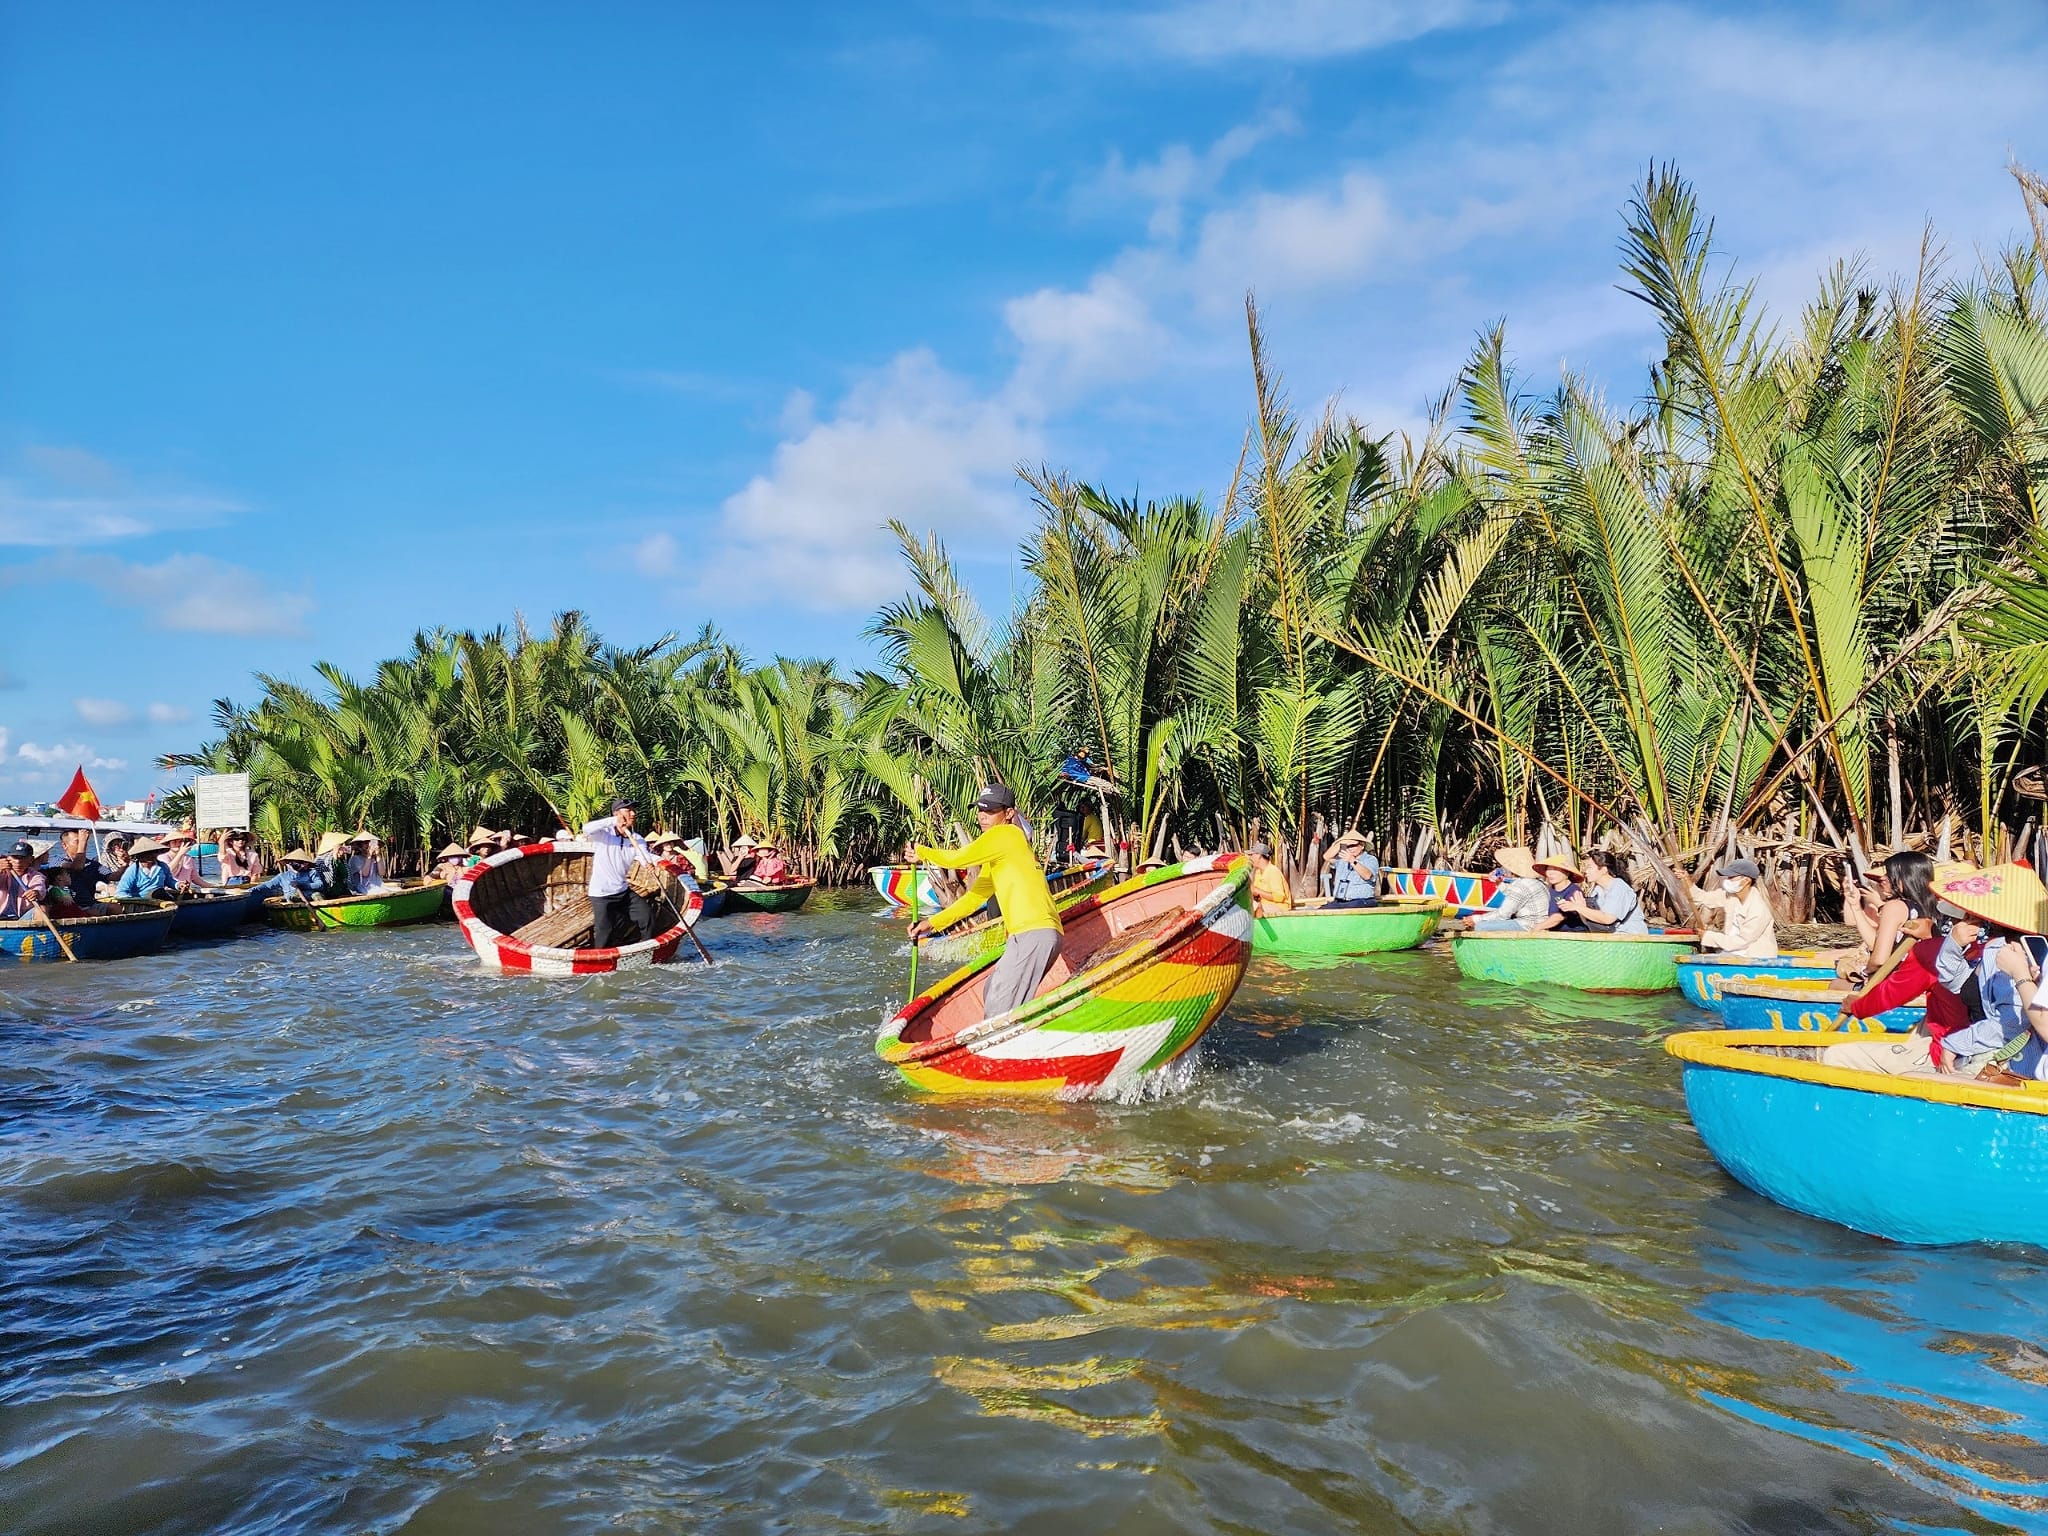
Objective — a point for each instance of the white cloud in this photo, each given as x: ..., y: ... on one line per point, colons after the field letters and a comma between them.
x: 161, y: 713
x: 1299, y: 241
x: 1072, y: 341
x: 67, y: 496
x: 195, y: 594
x: 103, y: 712
x: 655, y: 555
x: 1179, y: 173
x: 1210, y: 31
x: 910, y: 441
x: 59, y: 753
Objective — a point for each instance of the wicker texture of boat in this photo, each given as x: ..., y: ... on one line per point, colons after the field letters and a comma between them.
x: 1589, y: 962
x: 212, y: 912
x: 1961, y: 1162
x: 527, y: 910
x: 1143, y: 971
x: 1701, y: 977
x: 754, y: 896
x: 138, y: 929
x: 1322, y: 930
x: 894, y: 881
x: 1463, y: 890
x: 388, y: 908
x: 1806, y: 1003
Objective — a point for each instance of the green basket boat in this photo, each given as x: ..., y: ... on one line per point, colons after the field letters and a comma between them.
x: 1321, y: 930
x: 748, y: 896
x: 382, y: 909
x: 1589, y: 962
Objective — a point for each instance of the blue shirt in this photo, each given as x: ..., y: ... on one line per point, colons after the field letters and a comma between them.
x: 1618, y: 898
x: 146, y: 882
x: 1354, y: 879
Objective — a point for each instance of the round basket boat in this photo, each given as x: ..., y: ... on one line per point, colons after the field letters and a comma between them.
x: 895, y: 882
x: 1701, y: 977
x: 1462, y: 890
x: 1321, y: 930
x: 1588, y: 962
x: 1143, y: 970
x: 754, y: 896
x: 1961, y: 1162
x: 1809, y: 1004
x: 138, y: 929
x: 391, y: 907
x: 528, y: 910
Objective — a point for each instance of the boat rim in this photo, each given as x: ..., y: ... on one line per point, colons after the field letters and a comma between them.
x: 1794, y: 957
x: 1236, y: 871
x: 1685, y: 936
x: 144, y: 912
x: 1728, y: 1048
x: 469, y: 921
x: 349, y: 901
x: 1390, y: 906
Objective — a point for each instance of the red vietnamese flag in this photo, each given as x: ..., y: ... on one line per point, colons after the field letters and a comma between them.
x: 80, y: 800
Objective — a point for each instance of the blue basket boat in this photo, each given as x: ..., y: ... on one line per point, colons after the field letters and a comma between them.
x: 1701, y: 977
x: 214, y: 912
x: 1958, y: 1161
x: 115, y: 936
x: 1808, y: 1004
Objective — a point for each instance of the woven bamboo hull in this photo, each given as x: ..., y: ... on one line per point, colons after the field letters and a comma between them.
x: 409, y: 904
x: 1961, y: 1163
x: 1107, y: 1030
x: 714, y: 901
x: 1701, y: 977
x: 1806, y: 1004
x: 1461, y: 890
x: 526, y: 911
x: 212, y: 917
x: 768, y: 898
x: 1392, y: 925
x: 984, y: 936
x: 118, y: 936
x: 1585, y: 961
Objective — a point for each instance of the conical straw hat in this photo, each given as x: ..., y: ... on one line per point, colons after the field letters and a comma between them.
x: 2010, y: 895
x: 1517, y: 861
x: 296, y: 856
x: 482, y: 834
x: 329, y: 841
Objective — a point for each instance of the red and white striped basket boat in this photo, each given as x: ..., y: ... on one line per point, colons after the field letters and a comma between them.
x: 515, y: 907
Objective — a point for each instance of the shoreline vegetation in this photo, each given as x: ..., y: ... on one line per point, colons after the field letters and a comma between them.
x: 1789, y: 604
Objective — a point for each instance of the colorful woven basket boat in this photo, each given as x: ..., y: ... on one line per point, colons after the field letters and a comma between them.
x: 984, y: 935
x: 1144, y: 970
x: 1701, y: 977
x: 141, y: 928
x: 1319, y: 930
x: 1462, y: 890
x: 752, y: 896
x: 1960, y: 1162
x: 518, y: 907
x: 381, y: 909
x: 1589, y: 962
x: 1806, y: 1003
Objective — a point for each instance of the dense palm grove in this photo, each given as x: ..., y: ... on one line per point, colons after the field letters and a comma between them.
x: 1794, y: 600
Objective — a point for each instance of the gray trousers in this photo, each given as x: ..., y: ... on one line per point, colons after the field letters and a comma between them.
x: 1025, y: 960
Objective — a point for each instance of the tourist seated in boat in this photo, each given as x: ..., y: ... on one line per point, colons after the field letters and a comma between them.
x: 59, y: 900
x: 1354, y: 874
x: 770, y: 867
x: 241, y: 862
x: 1748, y: 930
x: 298, y: 878
x: 364, y: 870
x: 330, y: 858
x: 113, y: 858
x: 737, y: 862
x: 1895, y: 905
x: 1612, y: 905
x: 482, y: 843
x: 1987, y: 1018
x: 82, y: 874
x: 1095, y: 855
x: 147, y: 877
x: 1524, y: 896
x: 613, y: 901
x: 22, y: 886
x: 1007, y: 869
x: 1564, y: 889
x: 673, y: 855
x: 181, y: 856
x: 1270, y: 891
x: 449, y: 863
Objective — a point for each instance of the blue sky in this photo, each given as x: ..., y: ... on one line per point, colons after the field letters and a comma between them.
x: 319, y: 329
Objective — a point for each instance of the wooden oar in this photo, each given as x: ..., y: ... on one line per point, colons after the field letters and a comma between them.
x: 913, y: 937
x: 62, y: 943
x: 1905, y: 948
x: 688, y: 927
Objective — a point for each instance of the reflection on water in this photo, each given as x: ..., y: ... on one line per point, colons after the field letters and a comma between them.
x: 340, y: 1233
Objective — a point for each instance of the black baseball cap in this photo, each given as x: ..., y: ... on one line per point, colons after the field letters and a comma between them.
x: 997, y: 797
x: 625, y: 803
x: 22, y: 851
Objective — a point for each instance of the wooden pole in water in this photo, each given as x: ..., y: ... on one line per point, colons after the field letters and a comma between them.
x: 913, y: 937
x: 62, y: 943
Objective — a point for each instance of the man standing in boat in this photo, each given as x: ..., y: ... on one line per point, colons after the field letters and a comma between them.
x: 1010, y: 872
x: 612, y: 898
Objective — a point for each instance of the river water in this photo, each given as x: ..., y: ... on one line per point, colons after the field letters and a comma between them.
x: 340, y: 1233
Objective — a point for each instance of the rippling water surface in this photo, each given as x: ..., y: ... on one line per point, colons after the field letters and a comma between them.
x: 340, y: 1233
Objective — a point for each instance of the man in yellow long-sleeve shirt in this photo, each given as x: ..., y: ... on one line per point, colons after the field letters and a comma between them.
x: 1010, y: 872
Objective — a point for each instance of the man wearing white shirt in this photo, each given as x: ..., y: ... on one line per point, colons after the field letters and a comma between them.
x: 612, y: 900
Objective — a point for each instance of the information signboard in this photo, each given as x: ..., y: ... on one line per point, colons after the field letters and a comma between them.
x: 220, y: 801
